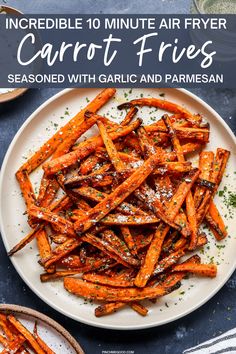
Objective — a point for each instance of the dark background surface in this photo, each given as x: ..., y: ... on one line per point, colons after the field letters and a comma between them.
x: 215, y: 317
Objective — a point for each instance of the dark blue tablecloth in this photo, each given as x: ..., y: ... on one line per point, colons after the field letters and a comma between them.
x: 219, y: 314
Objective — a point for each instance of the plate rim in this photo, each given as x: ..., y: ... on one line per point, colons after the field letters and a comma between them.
x: 46, y: 319
x: 49, y: 302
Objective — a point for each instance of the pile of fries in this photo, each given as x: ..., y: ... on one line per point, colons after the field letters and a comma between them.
x: 132, y: 205
x: 16, y: 338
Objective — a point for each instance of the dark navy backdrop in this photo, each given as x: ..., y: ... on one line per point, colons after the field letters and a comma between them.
x: 219, y: 314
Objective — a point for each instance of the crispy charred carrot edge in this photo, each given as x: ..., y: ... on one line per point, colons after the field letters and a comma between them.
x: 108, y: 308
x: 206, y: 159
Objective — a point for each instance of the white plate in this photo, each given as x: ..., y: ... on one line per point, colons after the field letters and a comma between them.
x: 39, y: 126
x: 56, y: 336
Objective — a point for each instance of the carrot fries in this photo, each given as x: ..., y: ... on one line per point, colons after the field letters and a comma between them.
x: 132, y: 207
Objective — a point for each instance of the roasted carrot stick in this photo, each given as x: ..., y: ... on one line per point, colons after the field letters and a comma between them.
x: 110, y: 250
x: 97, y: 196
x: 44, y: 247
x: 168, y: 261
x: 65, y: 226
x: 117, y: 196
x: 140, y: 309
x: 152, y: 256
x: 26, y: 334
x: 85, y: 148
x: 162, y: 104
x: 216, y: 222
x: 42, y: 344
x: 14, y: 346
x: 190, y: 207
x: 51, y: 145
x: 26, y: 187
x: 60, y: 251
x: 107, y: 309
x: 93, y: 291
x: 205, y: 270
x: 219, y: 165
x: 129, y: 240
x: 105, y: 280
x: 206, y: 159
x: 110, y: 237
x: 88, y: 164
x: 129, y: 220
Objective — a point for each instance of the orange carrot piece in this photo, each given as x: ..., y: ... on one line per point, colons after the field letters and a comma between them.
x: 129, y: 116
x: 93, y: 264
x: 129, y: 240
x: 56, y: 207
x: 168, y: 261
x: 152, y: 256
x: 166, y: 106
x: 105, y: 280
x: 110, y: 147
x: 86, y: 148
x: 110, y: 250
x: 180, y: 194
x: 110, y: 237
x: 97, y: 196
x: 205, y: 270
x: 110, y: 294
x: 42, y: 344
x: 216, y: 222
x: 26, y: 334
x: 88, y: 164
x: 51, y: 145
x: 140, y: 309
x: 26, y: 187
x: 206, y: 159
x: 65, y: 226
x: 117, y: 196
x: 15, y: 346
x: 219, y: 166
x: 60, y: 251
x: 129, y: 220
x: 190, y: 207
x: 107, y: 309
x: 44, y: 247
